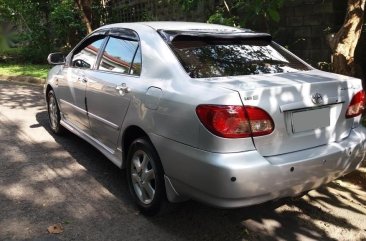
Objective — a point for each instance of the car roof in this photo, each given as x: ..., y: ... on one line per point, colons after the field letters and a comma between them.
x: 180, y: 26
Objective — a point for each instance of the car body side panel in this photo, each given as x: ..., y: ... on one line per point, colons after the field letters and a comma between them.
x: 175, y: 116
x: 71, y: 96
x: 53, y: 77
x: 107, y: 107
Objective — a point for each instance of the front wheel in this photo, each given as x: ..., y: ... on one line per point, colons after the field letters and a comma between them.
x: 145, y: 177
x: 54, y: 113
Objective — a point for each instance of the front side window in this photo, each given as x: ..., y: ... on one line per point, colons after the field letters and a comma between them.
x: 204, y: 58
x: 119, y: 55
x: 86, y: 55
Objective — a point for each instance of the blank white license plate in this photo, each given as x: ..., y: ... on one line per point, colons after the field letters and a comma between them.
x: 310, y: 119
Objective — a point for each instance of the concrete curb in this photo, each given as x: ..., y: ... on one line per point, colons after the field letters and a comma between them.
x: 22, y: 78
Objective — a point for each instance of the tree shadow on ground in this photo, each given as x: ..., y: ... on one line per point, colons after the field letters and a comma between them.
x: 20, y: 96
x: 195, y: 221
x: 66, y: 180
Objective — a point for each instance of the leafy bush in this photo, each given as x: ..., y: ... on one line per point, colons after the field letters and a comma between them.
x: 241, y: 13
x: 44, y: 26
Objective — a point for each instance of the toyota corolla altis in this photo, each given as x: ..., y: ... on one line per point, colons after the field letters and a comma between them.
x: 213, y: 113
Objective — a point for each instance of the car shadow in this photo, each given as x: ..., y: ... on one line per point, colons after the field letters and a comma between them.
x: 285, y: 219
x: 41, y: 184
x: 97, y: 165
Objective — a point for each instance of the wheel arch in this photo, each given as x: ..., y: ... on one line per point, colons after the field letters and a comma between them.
x: 130, y: 134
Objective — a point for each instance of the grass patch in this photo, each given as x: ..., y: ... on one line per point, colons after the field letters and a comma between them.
x: 31, y: 70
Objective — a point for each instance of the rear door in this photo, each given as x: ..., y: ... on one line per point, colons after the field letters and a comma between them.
x: 111, y: 86
x: 72, y: 87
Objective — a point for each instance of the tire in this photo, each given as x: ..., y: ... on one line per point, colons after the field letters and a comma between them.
x: 145, y: 177
x: 54, y: 115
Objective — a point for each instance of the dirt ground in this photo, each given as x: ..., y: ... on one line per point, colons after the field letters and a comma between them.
x: 46, y: 180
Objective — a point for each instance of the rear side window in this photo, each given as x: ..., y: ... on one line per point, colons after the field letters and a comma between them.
x: 136, y: 65
x: 204, y: 58
x: 119, y: 55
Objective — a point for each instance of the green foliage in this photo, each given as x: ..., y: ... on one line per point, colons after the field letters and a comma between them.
x: 242, y: 13
x: 66, y: 23
x: 42, y: 26
x: 147, y: 16
x: 188, y: 4
x: 255, y: 9
x: 10, y: 55
x: 38, y: 27
x: 219, y: 17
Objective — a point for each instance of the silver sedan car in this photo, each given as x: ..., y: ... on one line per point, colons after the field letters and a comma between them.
x: 207, y: 112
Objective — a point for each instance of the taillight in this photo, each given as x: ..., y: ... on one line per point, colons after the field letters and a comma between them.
x: 357, y: 105
x: 231, y: 121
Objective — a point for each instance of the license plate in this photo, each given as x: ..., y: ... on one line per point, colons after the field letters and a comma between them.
x: 310, y: 119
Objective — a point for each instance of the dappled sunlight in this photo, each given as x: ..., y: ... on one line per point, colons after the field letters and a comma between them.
x: 17, y: 191
x: 286, y: 95
x: 44, y: 173
x: 47, y: 179
x: 357, y: 178
x: 330, y: 201
x: 357, y: 205
x: 19, y: 97
x: 39, y: 176
x: 265, y: 225
x: 26, y: 192
x: 13, y: 155
x: 11, y: 226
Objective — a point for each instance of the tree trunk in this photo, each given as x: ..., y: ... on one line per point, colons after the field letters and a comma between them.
x: 343, y: 43
x: 86, y: 13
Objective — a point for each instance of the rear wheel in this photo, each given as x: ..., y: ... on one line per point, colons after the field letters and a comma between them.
x: 145, y: 177
x: 54, y: 113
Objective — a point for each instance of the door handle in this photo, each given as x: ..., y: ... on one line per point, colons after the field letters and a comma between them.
x: 83, y: 79
x: 123, y: 89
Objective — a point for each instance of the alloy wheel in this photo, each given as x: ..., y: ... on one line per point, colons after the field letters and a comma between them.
x: 143, y: 177
x: 53, y: 112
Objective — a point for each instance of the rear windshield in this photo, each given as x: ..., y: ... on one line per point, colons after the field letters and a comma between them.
x: 204, y: 58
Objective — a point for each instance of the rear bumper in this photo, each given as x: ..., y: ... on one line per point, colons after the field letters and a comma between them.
x: 241, y: 179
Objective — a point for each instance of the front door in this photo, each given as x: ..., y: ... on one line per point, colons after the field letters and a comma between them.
x: 72, y: 87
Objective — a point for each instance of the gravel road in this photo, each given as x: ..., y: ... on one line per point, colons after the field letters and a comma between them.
x: 46, y: 179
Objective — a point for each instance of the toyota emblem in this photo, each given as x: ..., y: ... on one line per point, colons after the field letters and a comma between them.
x: 317, y: 98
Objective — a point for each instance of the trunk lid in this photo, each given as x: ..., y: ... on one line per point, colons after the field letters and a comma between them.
x: 308, y: 108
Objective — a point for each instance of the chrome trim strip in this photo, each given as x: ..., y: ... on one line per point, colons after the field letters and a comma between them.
x: 304, y: 105
x: 73, y: 106
x: 114, y: 126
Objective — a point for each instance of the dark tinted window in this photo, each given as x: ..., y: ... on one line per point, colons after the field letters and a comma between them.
x: 85, y: 57
x: 202, y: 59
x: 118, y: 55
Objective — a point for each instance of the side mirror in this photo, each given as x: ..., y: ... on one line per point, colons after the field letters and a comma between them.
x: 56, y: 58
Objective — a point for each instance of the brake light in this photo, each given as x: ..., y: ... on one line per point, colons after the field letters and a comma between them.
x: 231, y: 121
x: 357, y: 105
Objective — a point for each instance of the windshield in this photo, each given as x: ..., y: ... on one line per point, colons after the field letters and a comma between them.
x: 229, y: 57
